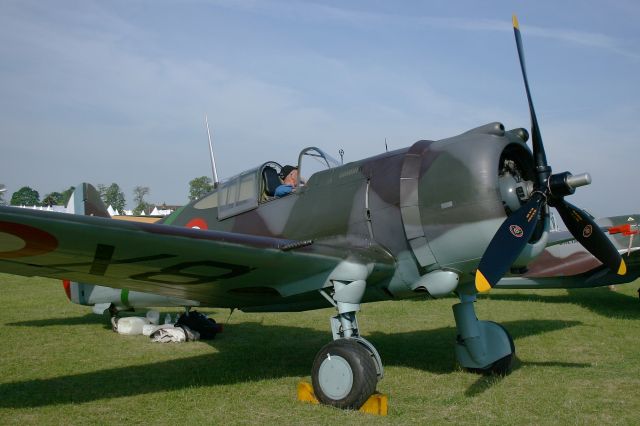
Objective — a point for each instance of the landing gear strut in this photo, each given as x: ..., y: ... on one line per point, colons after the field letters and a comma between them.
x: 483, y: 347
x: 346, y: 371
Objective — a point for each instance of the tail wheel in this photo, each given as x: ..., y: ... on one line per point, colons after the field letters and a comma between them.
x: 344, y: 374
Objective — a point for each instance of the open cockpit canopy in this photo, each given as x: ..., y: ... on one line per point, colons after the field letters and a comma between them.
x: 312, y: 160
x: 245, y: 191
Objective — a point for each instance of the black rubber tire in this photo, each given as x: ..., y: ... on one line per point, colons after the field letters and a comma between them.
x: 501, y: 367
x: 363, y: 369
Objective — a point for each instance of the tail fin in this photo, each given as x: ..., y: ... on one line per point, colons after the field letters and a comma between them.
x: 86, y: 201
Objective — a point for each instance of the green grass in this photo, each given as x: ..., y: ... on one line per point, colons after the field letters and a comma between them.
x: 577, y: 362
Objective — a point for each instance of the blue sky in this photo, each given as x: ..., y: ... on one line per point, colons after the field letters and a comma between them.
x: 116, y: 91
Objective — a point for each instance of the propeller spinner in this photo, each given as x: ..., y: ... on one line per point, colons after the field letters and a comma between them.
x: 549, y: 189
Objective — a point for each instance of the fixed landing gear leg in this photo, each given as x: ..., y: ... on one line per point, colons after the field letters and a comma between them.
x: 345, y: 371
x: 483, y: 347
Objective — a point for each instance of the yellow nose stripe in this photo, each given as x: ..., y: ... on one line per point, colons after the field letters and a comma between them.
x: 515, y: 22
x: 482, y: 285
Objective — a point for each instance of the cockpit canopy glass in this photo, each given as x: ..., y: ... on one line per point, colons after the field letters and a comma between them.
x: 238, y: 194
x: 246, y: 190
x: 312, y: 160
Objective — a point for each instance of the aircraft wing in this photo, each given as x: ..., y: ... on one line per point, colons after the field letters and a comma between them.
x: 220, y: 269
x: 567, y: 264
x: 597, y: 276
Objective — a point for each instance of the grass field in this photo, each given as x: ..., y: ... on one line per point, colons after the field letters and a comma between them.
x: 578, y: 362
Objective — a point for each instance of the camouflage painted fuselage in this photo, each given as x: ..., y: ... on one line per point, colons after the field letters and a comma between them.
x: 432, y: 206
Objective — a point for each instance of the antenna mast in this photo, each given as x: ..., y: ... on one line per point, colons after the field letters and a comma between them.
x: 213, y: 159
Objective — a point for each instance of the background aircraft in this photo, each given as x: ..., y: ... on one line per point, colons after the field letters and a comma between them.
x: 453, y: 215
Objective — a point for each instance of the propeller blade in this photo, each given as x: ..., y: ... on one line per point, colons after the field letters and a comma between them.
x: 508, y: 243
x: 587, y: 233
x: 536, y: 138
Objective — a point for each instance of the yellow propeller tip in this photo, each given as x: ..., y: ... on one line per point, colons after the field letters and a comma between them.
x: 516, y: 25
x: 622, y: 270
x: 482, y: 285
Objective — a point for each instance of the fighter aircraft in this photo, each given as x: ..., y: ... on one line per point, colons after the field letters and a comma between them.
x: 452, y: 215
x: 562, y: 257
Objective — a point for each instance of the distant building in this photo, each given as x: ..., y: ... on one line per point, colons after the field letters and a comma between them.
x: 59, y: 209
x: 155, y: 211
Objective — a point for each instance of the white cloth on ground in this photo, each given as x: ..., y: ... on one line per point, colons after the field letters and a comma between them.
x: 176, y: 335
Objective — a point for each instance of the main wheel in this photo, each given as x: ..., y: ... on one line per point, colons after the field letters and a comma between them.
x: 344, y: 374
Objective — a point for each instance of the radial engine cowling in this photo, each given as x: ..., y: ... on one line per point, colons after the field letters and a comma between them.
x: 455, y: 193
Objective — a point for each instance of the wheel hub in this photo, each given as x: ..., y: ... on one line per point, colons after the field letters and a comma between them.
x: 335, y: 377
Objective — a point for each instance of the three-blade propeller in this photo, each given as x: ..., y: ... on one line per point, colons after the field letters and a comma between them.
x: 515, y: 232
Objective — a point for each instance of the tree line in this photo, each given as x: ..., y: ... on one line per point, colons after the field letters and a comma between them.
x: 111, y: 195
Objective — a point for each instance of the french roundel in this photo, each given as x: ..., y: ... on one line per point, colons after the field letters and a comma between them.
x: 197, y: 223
x: 25, y: 241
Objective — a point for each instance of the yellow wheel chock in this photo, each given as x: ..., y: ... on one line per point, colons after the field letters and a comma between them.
x: 377, y: 404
